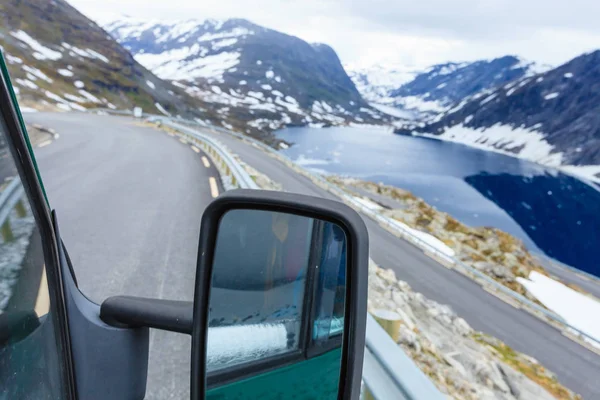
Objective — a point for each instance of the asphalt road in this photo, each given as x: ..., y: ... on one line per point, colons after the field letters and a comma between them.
x: 575, y: 366
x: 129, y: 201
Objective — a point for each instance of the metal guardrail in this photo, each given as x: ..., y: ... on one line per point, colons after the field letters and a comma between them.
x: 410, y: 373
x: 585, y: 275
x: 409, y: 236
x: 388, y: 372
x: 241, y: 177
x: 11, y: 199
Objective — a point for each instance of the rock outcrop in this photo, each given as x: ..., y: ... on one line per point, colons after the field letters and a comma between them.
x: 462, y: 363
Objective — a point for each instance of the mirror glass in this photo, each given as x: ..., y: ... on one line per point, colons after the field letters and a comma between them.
x: 276, y: 312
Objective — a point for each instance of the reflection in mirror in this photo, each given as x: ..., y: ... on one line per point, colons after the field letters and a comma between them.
x: 277, y: 299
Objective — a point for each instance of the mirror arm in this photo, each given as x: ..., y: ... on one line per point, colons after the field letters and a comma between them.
x: 135, y: 312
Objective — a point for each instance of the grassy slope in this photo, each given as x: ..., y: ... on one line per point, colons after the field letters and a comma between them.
x: 121, y: 81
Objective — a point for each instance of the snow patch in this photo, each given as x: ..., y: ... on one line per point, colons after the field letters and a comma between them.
x: 65, y: 72
x: 187, y: 63
x: 488, y: 99
x: 434, y: 242
x: 89, y: 96
x: 527, y: 144
x: 40, y: 52
x: 235, y: 32
x: 26, y: 83
x: 551, y: 96
x: 79, y: 84
x: 585, y: 172
x: 394, y: 111
x: 224, y: 43
x: 576, y: 308
x: 87, y: 53
x: 162, y: 109
x: 151, y: 85
x: 12, y: 59
x: 36, y: 73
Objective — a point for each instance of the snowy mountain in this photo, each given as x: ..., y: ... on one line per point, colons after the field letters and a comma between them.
x: 261, y: 78
x: 375, y: 83
x: 552, y: 118
x: 435, y: 89
x: 59, y: 59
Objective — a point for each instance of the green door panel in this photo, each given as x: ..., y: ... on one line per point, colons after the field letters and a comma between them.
x: 317, y: 378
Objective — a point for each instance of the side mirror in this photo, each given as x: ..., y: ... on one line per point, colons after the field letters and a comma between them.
x: 280, y: 299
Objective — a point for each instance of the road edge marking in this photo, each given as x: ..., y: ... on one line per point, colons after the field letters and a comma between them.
x: 44, y: 143
x: 205, y: 162
x: 214, y: 189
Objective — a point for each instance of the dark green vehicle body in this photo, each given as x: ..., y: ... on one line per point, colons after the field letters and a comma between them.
x: 317, y: 378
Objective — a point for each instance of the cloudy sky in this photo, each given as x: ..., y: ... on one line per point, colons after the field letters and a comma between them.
x: 412, y: 33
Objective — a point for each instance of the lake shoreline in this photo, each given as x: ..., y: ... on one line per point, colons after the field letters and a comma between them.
x: 554, y: 213
x: 575, y: 171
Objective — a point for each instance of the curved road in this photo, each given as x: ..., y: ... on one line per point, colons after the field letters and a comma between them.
x: 129, y: 201
x: 575, y: 366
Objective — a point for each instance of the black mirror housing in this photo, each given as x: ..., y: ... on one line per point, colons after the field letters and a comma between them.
x: 356, y: 252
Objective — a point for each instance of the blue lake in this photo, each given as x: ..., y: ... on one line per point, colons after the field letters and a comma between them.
x: 552, y: 213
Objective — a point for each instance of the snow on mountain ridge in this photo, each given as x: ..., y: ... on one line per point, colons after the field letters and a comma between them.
x: 182, y: 50
x: 550, y: 118
x: 264, y: 78
x: 437, y: 88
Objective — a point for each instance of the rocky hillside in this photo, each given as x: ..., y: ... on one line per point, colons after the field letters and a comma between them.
x: 59, y: 59
x: 497, y: 254
x: 438, y: 87
x: 552, y: 118
x: 260, y: 77
x: 463, y: 363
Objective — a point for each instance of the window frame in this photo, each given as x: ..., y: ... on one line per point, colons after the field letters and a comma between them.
x: 20, y: 147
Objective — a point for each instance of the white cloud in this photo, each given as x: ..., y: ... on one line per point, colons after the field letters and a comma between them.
x: 411, y: 32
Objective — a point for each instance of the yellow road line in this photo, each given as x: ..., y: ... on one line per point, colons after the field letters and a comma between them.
x: 214, y: 190
x: 42, y: 302
x: 205, y: 162
x: 183, y: 141
x: 197, y: 150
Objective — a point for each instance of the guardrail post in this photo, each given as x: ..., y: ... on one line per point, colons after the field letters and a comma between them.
x: 21, y: 210
x: 390, y: 322
x: 7, y: 233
